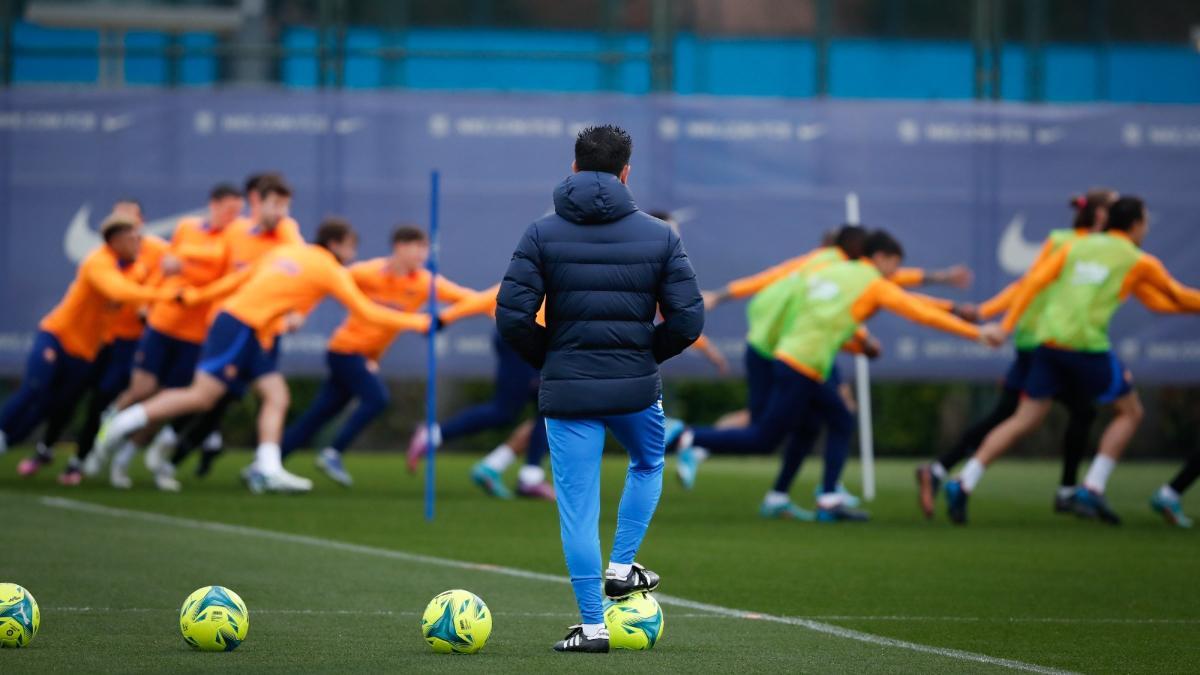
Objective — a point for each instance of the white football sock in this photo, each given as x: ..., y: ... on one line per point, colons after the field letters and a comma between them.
x: 500, y: 459
x: 829, y: 500
x: 213, y: 442
x: 1098, y: 473
x: 1065, y: 491
x: 971, y: 474
x: 939, y: 472
x: 127, y: 421
x: 1168, y: 493
x: 591, y: 630
x: 774, y: 498
x: 531, y: 475
x: 124, y: 456
x: 266, y: 458
x: 620, y: 570
x: 685, y: 438
x: 165, y: 438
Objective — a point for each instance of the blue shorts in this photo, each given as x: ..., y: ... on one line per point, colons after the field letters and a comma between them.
x: 1014, y: 379
x: 1098, y: 376
x: 118, y: 362
x: 233, y: 355
x: 170, y: 360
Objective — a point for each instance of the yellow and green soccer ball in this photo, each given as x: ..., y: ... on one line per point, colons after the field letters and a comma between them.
x: 635, y: 622
x: 214, y: 619
x: 19, y: 616
x: 456, y: 622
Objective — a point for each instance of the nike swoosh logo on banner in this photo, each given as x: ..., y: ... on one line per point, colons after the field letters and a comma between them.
x: 1016, y: 253
x: 81, y: 239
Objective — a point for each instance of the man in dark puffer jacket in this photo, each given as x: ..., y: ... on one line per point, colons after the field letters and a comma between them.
x: 603, y: 268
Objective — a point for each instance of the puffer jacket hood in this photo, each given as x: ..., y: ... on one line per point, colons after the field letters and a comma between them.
x: 593, y: 197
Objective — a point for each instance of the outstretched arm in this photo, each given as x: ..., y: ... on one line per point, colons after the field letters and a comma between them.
x: 521, y: 294
x: 887, y: 295
x: 219, y: 288
x: 114, y: 286
x: 1150, y: 271
x: 747, y: 286
x: 341, y: 286
x: 483, y: 302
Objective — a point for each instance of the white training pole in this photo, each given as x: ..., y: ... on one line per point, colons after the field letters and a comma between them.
x: 862, y: 379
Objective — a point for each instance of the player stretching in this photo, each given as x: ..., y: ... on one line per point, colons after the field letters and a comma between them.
x: 70, y: 336
x: 825, y: 309
x: 240, y: 349
x: 110, y: 373
x: 767, y: 299
x: 602, y: 266
x: 266, y: 226
x: 170, y: 347
x: 1091, y: 214
x: 400, y: 281
x: 1086, y: 281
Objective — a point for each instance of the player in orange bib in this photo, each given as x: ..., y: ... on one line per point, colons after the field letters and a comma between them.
x: 240, y: 350
x: 110, y: 374
x: 399, y: 281
x: 72, y: 334
x: 266, y: 227
x: 167, y: 353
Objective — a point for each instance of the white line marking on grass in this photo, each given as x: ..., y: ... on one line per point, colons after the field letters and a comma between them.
x: 697, y: 615
x: 808, y: 624
x: 1003, y: 619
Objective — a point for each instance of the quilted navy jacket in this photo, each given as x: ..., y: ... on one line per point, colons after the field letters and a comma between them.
x: 603, y: 268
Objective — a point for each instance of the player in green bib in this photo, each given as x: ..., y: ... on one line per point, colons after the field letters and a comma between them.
x: 824, y: 310
x: 1085, y: 282
x: 1091, y: 213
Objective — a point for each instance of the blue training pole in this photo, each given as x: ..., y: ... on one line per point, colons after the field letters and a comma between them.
x: 431, y: 376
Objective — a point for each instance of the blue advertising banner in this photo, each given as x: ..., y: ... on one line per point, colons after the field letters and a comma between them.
x: 753, y: 182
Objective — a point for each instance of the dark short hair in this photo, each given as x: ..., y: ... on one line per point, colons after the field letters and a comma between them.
x: 605, y: 148
x: 880, y: 241
x: 113, y: 227
x: 408, y: 234
x: 1125, y: 212
x: 333, y: 230
x: 1086, y: 205
x: 223, y: 191
x: 851, y: 239
x: 273, y: 184
x: 253, y: 180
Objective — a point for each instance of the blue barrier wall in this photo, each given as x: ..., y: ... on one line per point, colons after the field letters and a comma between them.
x: 754, y: 181
x: 859, y: 68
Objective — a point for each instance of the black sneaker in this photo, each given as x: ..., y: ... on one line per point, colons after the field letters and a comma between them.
x: 640, y: 580
x: 1064, y: 504
x: 576, y: 641
x: 207, y: 457
x: 1093, y: 505
x: 956, y: 502
x: 927, y: 489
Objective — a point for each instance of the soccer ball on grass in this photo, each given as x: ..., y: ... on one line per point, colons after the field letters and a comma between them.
x: 456, y: 622
x: 214, y: 619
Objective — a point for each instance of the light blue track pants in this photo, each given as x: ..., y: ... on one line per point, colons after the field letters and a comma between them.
x: 576, y: 446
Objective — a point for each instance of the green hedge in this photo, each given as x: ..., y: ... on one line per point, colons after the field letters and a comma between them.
x: 910, y: 418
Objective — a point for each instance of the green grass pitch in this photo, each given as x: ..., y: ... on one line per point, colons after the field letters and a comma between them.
x: 1020, y: 585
